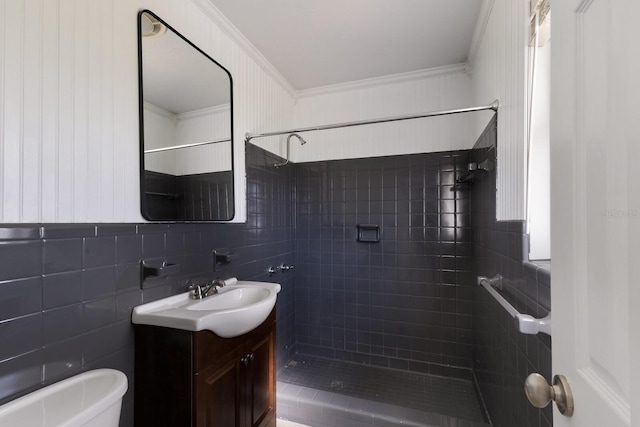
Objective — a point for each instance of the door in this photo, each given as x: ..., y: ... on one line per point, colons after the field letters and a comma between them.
x: 595, y: 208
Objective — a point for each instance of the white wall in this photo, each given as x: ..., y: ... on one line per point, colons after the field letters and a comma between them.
x: 199, y: 126
x: 165, y: 129
x: 69, y: 104
x: 498, y: 60
x: 431, y: 90
x: 159, y: 132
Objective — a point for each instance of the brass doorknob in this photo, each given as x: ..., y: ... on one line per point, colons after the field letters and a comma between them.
x: 540, y: 393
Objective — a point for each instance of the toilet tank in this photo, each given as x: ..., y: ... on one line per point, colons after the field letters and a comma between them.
x: 92, y: 398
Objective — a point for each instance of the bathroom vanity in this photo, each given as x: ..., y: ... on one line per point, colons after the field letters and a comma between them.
x: 196, y: 378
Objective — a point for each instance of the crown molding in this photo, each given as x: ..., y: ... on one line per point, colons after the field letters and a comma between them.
x: 384, y: 80
x: 245, y: 45
x: 478, y: 32
x: 205, y: 111
x: 158, y: 110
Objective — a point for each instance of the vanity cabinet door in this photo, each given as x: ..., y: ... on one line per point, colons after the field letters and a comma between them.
x: 217, y: 396
x: 163, y: 377
x: 199, y: 379
x: 260, y: 380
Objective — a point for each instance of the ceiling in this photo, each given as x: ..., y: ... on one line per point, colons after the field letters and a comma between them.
x: 315, y: 43
x: 166, y: 59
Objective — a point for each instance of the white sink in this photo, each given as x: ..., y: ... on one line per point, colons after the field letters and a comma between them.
x: 235, y: 310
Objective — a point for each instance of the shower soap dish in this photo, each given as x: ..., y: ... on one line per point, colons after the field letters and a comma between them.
x: 369, y: 233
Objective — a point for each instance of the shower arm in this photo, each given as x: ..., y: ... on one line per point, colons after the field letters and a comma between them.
x: 493, y: 106
x: 286, y: 162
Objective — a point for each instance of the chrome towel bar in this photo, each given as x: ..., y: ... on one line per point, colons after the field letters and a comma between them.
x: 526, y: 323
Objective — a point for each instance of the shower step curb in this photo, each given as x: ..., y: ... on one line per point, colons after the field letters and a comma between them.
x: 319, y: 408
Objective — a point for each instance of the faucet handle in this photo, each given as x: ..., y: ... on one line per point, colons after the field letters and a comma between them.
x: 218, y: 283
x: 196, y: 291
x: 285, y: 267
x: 214, y: 286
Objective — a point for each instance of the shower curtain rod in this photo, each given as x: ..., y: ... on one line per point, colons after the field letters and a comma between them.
x: 177, y: 147
x: 493, y: 106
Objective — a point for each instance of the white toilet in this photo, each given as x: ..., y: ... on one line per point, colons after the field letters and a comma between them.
x: 91, y: 399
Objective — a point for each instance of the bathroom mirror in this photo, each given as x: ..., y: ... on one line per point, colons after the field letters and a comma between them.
x: 186, y: 128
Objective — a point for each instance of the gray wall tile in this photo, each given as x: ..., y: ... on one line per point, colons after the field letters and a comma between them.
x: 62, y: 323
x: 128, y: 276
x: 99, y: 251
x: 20, y: 297
x: 98, y: 313
x: 20, y: 259
x: 20, y: 233
x: 125, y: 302
x: 62, y: 255
x: 67, y: 231
x: 61, y: 289
x: 20, y: 335
x: 20, y: 375
x: 62, y: 359
x: 153, y: 245
x: 98, y: 282
x: 128, y: 249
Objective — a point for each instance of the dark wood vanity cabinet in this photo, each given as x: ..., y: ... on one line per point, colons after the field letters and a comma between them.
x: 199, y: 379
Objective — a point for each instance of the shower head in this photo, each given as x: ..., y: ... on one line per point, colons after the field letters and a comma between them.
x: 302, y: 141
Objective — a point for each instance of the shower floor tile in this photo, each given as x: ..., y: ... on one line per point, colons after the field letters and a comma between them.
x: 428, y: 393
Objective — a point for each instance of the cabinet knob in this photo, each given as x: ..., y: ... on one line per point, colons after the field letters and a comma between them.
x: 248, y: 358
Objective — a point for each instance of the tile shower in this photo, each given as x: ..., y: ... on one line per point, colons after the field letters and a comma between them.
x: 403, y: 302
x: 407, y: 302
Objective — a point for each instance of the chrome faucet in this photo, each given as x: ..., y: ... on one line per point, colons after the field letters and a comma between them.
x: 203, y: 291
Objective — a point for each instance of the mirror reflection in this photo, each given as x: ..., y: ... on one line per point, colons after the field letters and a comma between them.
x: 186, y: 128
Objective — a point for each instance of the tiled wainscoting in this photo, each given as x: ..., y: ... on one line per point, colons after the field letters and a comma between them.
x: 503, y: 357
x: 67, y: 291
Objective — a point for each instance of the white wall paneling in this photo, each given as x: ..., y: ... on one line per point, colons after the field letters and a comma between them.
x: 499, y: 64
x: 165, y: 129
x: 402, y: 94
x: 200, y: 126
x: 69, y: 94
x: 159, y: 132
x: 69, y: 115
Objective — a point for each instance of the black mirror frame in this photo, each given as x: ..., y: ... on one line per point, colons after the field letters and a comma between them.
x: 143, y: 204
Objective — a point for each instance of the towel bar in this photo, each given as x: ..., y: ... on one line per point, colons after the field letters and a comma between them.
x: 527, y: 324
